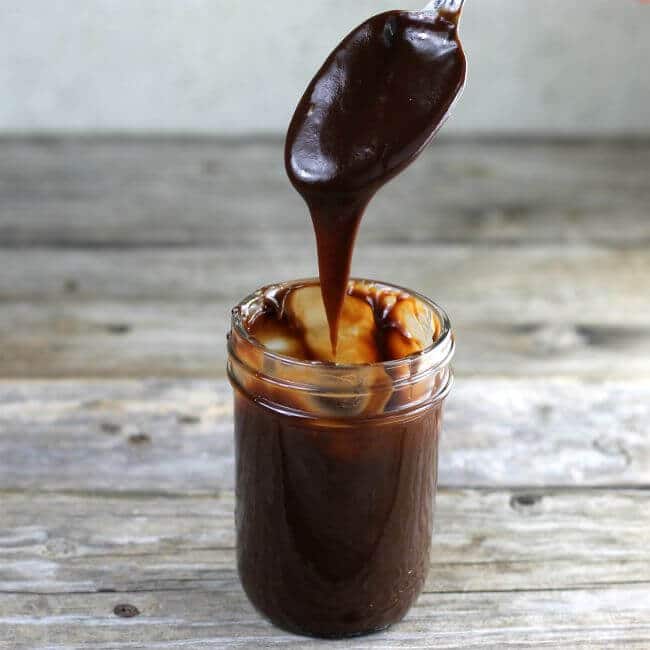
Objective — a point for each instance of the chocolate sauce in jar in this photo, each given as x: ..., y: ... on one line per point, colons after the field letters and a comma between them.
x: 376, y: 324
x: 334, y: 524
x: 336, y: 464
x: 373, y: 106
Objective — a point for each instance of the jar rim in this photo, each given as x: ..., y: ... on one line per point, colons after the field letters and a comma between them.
x: 436, y: 355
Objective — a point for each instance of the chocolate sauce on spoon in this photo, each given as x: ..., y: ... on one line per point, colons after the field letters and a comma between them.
x: 373, y: 106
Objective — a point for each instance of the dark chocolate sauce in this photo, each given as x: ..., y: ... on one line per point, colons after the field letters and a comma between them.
x: 334, y: 525
x: 335, y: 465
x: 373, y: 106
x: 376, y: 324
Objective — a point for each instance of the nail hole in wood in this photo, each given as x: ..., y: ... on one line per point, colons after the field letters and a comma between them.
x: 139, y: 438
x: 124, y: 610
x: 520, y: 501
x: 71, y: 285
x: 118, y: 328
x: 110, y: 427
x: 189, y: 419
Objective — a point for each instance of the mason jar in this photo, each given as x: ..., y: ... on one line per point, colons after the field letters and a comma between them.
x: 336, y: 471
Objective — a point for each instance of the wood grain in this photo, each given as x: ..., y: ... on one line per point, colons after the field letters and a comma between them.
x: 552, y: 282
x: 88, y: 435
x: 485, y: 540
x: 120, y: 259
x: 604, y: 618
x: 526, y: 284
x: 134, y: 192
x: 569, y: 567
x: 159, y: 338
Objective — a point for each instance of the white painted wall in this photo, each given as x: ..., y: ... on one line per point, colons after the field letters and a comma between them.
x: 208, y: 65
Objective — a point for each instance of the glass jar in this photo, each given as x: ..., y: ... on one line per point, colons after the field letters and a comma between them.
x: 336, y: 470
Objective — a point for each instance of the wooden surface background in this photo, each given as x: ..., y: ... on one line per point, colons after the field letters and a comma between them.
x: 119, y: 261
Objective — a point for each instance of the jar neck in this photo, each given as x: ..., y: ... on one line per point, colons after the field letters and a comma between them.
x: 317, y: 389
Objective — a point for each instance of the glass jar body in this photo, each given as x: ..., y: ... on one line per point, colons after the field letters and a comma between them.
x: 334, y: 524
x: 334, y: 506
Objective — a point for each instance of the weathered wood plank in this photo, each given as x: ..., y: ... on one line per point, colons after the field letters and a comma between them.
x: 570, y: 567
x: 499, y: 284
x: 574, y: 310
x: 125, y: 485
x: 76, y: 191
x: 607, y: 618
x: 485, y: 540
x: 104, y: 339
x: 87, y: 435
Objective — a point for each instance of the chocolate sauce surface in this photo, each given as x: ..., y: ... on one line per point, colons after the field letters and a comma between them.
x: 373, y: 106
x: 376, y: 323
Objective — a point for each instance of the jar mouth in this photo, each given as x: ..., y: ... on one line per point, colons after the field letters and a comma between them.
x: 330, y: 391
x: 436, y: 355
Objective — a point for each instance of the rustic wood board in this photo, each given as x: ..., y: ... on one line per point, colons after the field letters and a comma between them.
x: 538, y: 250
x: 568, y: 567
x: 603, y: 618
x: 142, y: 191
x: 523, y: 284
x: 67, y: 435
x: 485, y: 540
x: 117, y: 259
x: 187, y: 339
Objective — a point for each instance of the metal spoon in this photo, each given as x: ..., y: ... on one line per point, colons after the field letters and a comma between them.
x: 452, y: 7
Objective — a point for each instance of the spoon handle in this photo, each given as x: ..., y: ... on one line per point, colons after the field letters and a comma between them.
x: 448, y: 6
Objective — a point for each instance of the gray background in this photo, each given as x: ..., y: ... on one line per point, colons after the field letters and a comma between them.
x: 231, y: 67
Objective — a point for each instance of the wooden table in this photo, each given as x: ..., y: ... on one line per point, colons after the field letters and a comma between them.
x: 119, y: 262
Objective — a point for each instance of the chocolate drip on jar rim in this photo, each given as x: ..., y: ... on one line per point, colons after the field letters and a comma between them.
x: 374, y: 105
x: 364, y: 390
x: 377, y: 323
